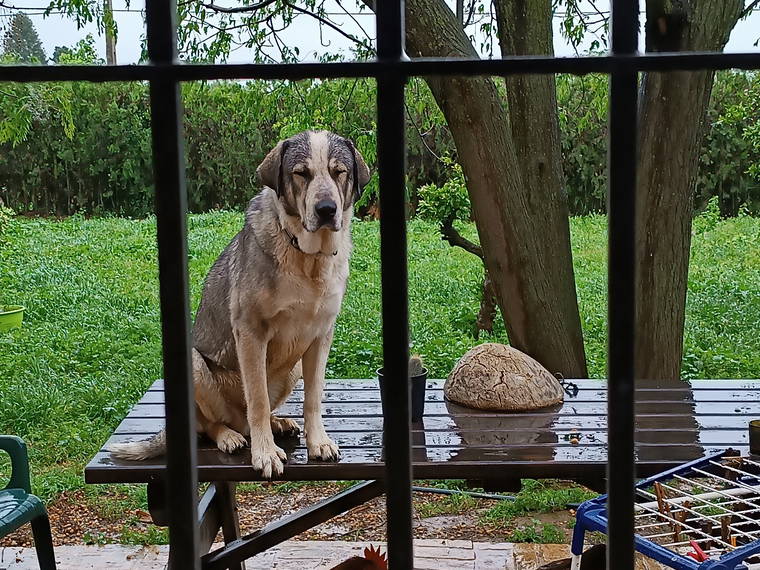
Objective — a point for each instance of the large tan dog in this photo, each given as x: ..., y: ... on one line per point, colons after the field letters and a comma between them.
x: 270, y: 301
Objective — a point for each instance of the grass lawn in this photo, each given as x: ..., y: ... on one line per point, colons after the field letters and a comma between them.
x: 90, y: 344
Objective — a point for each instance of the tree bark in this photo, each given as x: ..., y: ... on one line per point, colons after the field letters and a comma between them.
x: 672, y: 113
x: 110, y: 38
x: 487, y: 312
x: 523, y: 229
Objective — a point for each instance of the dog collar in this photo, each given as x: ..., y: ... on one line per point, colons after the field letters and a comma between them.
x: 294, y: 242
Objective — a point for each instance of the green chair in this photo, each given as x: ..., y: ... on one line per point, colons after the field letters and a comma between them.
x: 18, y: 506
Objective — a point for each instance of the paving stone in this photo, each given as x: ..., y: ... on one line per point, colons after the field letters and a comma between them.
x: 444, y: 553
x: 111, y: 556
x: 531, y: 556
x: 443, y: 542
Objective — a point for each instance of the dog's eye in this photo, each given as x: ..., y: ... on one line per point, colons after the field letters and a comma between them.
x: 340, y: 171
x: 301, y: 173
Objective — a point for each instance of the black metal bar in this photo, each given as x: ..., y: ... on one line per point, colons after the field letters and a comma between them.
x: 621, y: 289
x: 209, y: 517
x: 473, y: 494
x: 291, y: 525
x: 391, y: 157
x: 171, y: 210
x: 438, y: 66
x: 157, y: 506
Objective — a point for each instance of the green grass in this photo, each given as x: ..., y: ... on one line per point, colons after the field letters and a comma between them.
x: 90, y: 344
x: 542, y: 496
x: 538, y: 532
x: 449, y: 505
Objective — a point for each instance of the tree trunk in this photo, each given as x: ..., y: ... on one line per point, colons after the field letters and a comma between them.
x: 487, y: 312
x: 523, y: 229
x: 110, y: 38
x: 673, y: 108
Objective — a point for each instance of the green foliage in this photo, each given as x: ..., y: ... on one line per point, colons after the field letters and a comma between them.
x: 59, y: 52
x: 729, y: 166
x: 6, y: 218
x: 729, y: 157
x: 93, y: 155
x: 577, y: 22
x: 21, y: 41
x: 448, y: 201
x: 42, y: 111
x: 208, y: 35
x: 744, y: 114
x: 582, y: 111
x: 86, y: 148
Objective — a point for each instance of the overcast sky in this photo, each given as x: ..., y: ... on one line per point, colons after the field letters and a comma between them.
x: 56, y: 30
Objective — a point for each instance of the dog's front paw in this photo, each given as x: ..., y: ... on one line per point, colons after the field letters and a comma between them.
x: 268, y: 460
x: 284, y: 426
x: 322, y: 448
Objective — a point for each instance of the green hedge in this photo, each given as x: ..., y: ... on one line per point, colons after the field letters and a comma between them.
x: 67, y: 148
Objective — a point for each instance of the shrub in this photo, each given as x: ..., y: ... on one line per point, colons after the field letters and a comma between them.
x: 86, y: 148
x: 448, y: 201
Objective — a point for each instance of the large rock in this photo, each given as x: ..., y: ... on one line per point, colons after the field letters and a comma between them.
x: 498, y: 377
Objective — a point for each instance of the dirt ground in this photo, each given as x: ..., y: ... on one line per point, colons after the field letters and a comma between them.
x: 77, y: 518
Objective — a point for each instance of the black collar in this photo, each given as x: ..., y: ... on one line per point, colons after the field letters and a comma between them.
x: 294, y: 242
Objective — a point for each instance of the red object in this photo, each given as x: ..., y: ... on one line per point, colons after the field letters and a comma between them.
x: 374, y: 555
x: 698, y: 554
x: 373, y: 560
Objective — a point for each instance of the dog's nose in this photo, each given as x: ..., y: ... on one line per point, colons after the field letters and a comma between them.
x: 326, y: 210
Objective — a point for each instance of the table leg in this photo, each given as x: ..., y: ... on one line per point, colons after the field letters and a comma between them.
x: 227, y: 505
x: 157, y: 502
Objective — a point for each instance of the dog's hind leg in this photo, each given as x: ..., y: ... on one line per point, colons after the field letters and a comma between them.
x: 212, y: 411
x: 226, y: 439
x: 284, y: 426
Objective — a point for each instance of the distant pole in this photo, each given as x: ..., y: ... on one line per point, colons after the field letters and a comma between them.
x: 460, y: 11
x: 110, y: 39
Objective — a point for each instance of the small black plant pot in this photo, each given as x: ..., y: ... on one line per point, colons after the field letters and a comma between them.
x: 754, y: 437
x: 419, y: 382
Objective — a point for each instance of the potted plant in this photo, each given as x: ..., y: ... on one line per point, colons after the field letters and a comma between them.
x: 418, y: 377
x: 10, y: 317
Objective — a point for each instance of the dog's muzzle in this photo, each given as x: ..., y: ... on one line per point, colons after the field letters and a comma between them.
x: 325, y: 211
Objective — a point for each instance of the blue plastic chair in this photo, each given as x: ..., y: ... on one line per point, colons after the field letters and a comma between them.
x: 18, y: 506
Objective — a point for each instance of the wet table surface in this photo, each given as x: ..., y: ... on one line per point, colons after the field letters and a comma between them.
x: 675, y: 422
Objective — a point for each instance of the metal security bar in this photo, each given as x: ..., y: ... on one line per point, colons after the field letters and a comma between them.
x: 391, y: 154
x: 621, y: 287
x: 390, y: 71
x: 171, y: 214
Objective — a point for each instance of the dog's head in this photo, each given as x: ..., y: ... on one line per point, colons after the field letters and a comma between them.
x: 317, y: 176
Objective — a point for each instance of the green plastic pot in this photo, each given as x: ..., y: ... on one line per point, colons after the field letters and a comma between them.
x: 10, y: 317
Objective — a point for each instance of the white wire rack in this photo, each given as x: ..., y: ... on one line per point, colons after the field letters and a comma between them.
x: 705, y: 514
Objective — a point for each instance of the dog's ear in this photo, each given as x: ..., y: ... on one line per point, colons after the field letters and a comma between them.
x: 361, y: 173
x: 269, y: 171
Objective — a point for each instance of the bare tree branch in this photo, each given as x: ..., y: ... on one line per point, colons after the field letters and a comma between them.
x: 326, y: 22
x: 470, y: 13
x: 451, y: 235
x: 752, y: 5
x: 239, y: 9
x: 354, y: 19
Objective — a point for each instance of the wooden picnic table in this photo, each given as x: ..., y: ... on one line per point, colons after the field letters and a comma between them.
x: 675, y: 423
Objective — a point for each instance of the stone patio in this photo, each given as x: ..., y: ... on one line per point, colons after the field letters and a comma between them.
x: 307, y: 555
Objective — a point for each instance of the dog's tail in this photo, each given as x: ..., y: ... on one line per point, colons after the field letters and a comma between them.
x: 139, y: 450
